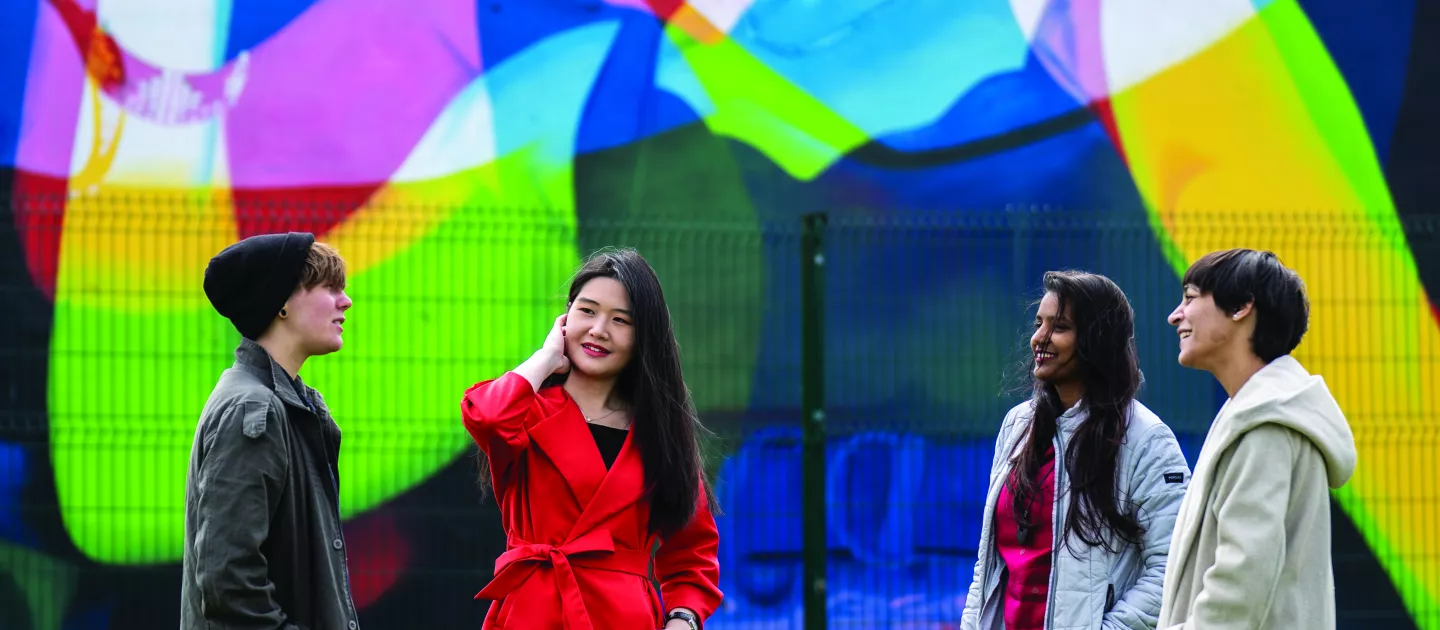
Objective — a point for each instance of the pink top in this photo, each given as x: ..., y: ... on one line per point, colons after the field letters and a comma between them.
x: 1028, y: 585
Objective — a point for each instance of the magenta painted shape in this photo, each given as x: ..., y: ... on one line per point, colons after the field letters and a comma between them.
x: 1067, y: 42
x: 54, y: 86
x: 342, y: 94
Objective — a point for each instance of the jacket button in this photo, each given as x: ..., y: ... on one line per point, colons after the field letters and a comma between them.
x: 353, y: 624
x: 336, y: 543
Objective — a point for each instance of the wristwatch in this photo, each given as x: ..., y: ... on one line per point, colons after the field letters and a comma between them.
x: 684, y: 616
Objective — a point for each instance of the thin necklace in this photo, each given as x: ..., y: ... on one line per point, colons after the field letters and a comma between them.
x: 592, y: 420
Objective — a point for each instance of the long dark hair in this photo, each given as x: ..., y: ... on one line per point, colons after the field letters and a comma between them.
x: 666, y: 427
x: 1109, y: 369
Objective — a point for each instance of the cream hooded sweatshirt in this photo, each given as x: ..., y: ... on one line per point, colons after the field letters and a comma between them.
x: 1251, y: 547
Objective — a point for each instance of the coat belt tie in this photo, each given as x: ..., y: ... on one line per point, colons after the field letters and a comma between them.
x: 595, y: 550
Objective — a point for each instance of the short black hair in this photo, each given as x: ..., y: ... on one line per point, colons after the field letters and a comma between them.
x: 1236, y: 277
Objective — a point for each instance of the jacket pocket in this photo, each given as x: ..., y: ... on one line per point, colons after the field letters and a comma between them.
x: 1109, y: 597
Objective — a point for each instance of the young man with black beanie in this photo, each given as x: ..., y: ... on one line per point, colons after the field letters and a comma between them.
x: 263, y: 542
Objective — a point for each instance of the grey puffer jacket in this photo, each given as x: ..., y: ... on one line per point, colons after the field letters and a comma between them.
x: 1090, y: 588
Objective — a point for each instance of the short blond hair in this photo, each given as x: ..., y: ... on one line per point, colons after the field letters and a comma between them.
x: 323, y: 267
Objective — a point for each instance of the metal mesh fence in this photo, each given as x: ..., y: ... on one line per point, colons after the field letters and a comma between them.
x: 109, y: 350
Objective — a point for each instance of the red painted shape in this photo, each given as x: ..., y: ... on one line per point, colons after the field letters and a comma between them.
x: 101, y: 53
x: 314, y: 209
x: 39, y: 200
x: 39, y: 214
x: 1106, y: 113
x: 39, y: 203
x: 665, y: 9
x: 379, y: 554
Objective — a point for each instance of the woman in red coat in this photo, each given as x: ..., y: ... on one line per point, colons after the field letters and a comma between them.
x: 591, y: 447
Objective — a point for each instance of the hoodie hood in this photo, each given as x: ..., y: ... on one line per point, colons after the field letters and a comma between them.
x: 1284, y: 393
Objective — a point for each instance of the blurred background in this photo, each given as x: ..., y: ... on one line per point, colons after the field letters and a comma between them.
x: 465, y: 155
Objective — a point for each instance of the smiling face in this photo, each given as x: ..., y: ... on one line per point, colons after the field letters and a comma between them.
x: 1208, y: 336
x: 1053, y: 343
x: 600, y: 329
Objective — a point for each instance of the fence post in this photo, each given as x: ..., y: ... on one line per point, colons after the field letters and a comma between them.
x: 812, y: 404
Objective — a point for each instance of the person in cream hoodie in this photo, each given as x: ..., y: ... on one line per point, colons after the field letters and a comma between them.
x: 1251, y: 546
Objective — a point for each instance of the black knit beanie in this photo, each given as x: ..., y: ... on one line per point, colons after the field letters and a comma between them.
x: 248, y: 282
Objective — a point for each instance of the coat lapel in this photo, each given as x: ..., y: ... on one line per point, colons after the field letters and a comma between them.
x: 621, y: 488
x: 565, y: 439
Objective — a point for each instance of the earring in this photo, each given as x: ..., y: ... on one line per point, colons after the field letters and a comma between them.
x: 1237, y: 317
x: 283, y: 314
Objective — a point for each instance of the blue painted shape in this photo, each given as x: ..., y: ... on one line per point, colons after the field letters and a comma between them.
x: 761, y: 523
x: 767, y: 485
x: 996, y: 105
x: 1370, y: 44
x: 891, y: 293
x: 873, y: 496
x: 1190, y: 444
x: 674, y: 75
x: 510, y: 27
x: 884, y: 66
x: 957, y: 476
x: 13, y: 477
x: 914, y: 282
x: 254, y: 21
x: 642, y: 89
x: 17, y: 35
x: 541, y: 93
x: 91, y: 618
x: 885, y: 491
x: 668, y: 112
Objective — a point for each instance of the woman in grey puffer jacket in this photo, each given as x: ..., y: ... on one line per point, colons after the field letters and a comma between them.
x: 1086, y: 481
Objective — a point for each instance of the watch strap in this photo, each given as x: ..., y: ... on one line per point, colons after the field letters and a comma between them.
x: 684, y: 616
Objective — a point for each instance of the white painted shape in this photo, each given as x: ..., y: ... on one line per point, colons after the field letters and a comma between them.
x: 1142, y: 38
x: 723, y: 14
x: 1028, y: 14
x: 534, y: 99
x: 461, y: 138
x: 179, y: 36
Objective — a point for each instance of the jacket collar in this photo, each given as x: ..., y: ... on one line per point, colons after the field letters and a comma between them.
x: 1072, y: 418
x: 1065, y: 426
x: 256, y: 360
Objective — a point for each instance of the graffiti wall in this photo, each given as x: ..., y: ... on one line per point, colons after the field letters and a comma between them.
x: 465, y: 155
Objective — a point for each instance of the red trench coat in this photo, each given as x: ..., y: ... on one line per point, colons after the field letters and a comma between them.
x: 578, y: 538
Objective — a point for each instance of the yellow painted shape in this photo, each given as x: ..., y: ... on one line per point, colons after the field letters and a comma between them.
x: 1256, y: 142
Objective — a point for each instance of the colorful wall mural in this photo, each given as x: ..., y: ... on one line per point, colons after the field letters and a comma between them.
x: 464, y: 155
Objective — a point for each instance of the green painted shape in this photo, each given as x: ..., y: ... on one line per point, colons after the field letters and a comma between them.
x: 462, y: 303
x: 465, y: 304
x: 761, y: 108
x: 679, y: 198
x: 47, y: 584
x: 126, y: 390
